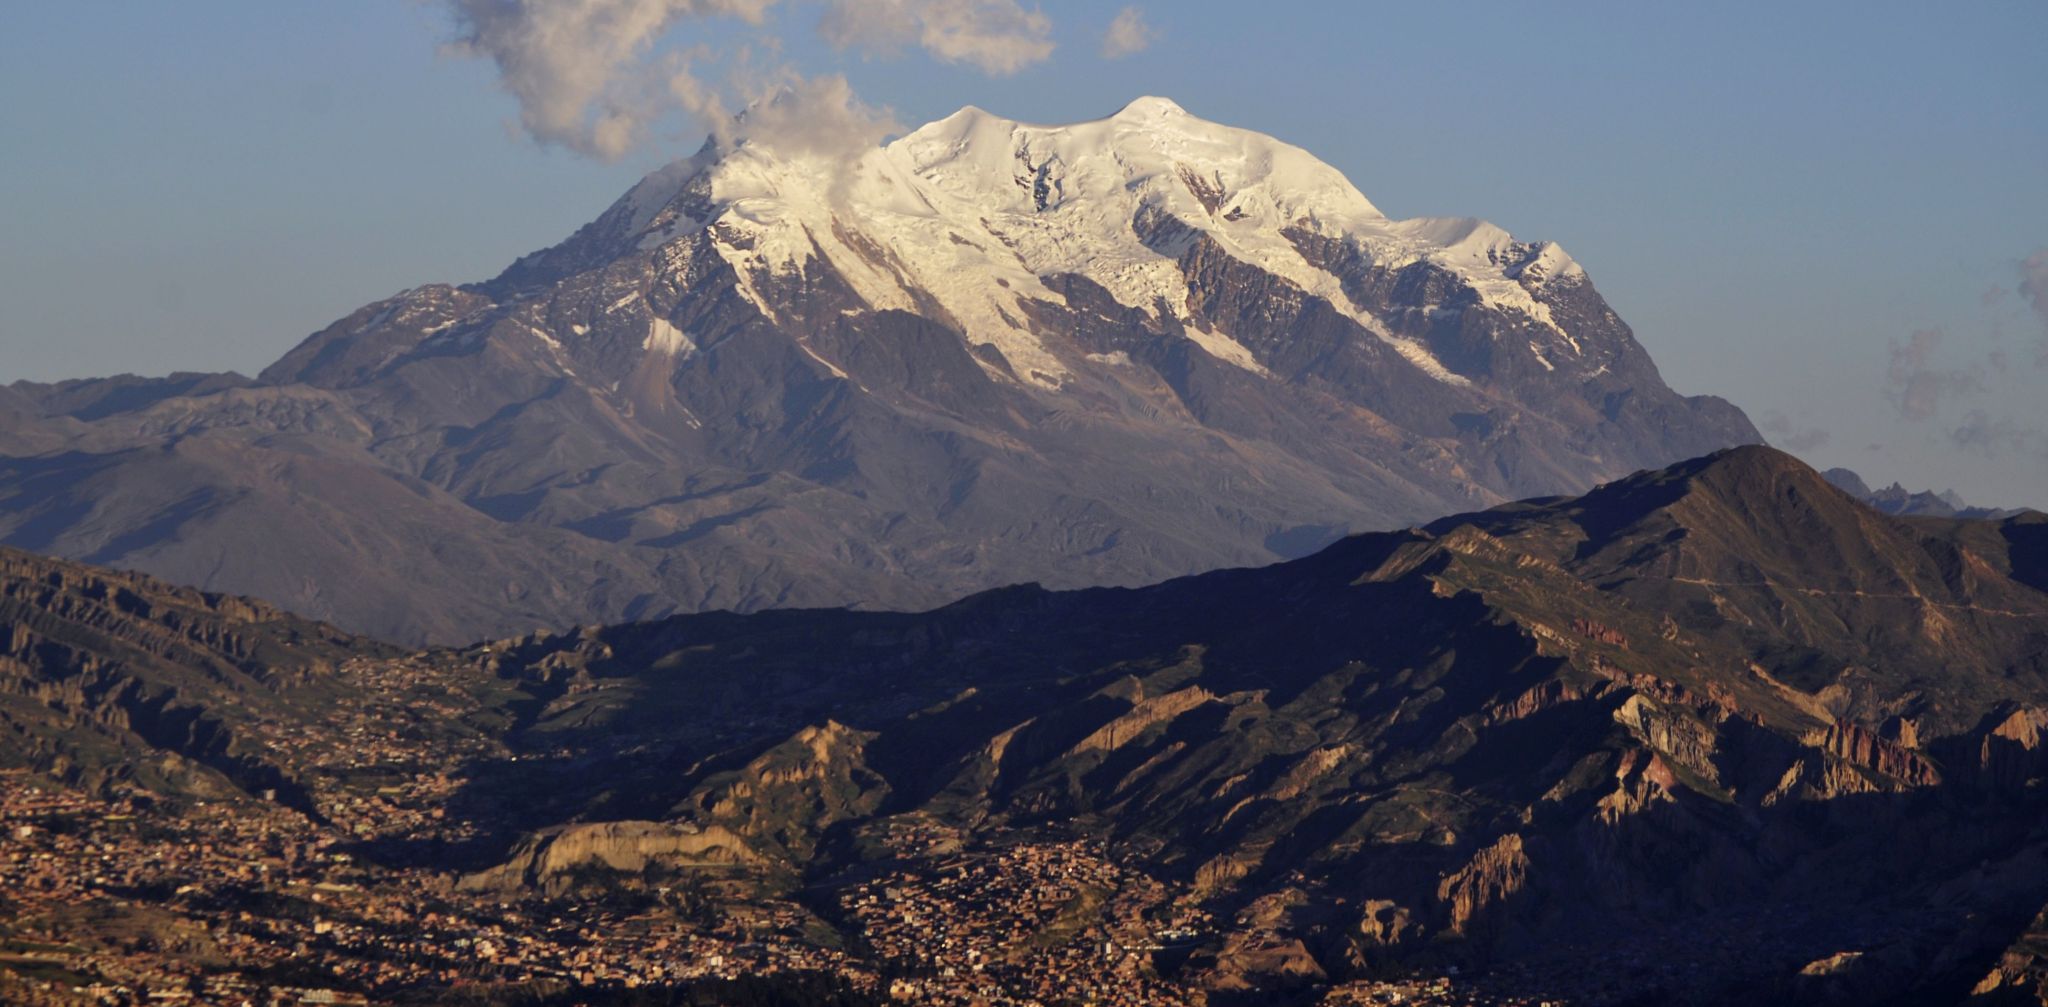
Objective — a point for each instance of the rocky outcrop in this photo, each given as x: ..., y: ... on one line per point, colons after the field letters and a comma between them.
x: 1385, y: 923
x: 546, y: 861
x: 2020, y: 975
x: 1864, y: 747
x: 1600, y: 632
x: 1146, y: 714
x: 790, y: 794
x: 1490, y: 878
x: 1253, y: 963
x: 1550, y: 694
x: 2012, y: 750
x: 1673, y: 732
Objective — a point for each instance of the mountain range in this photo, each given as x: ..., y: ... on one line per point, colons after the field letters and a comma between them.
x: 1713, y: 733
x: 986, y: 353
x: 1897, y: 499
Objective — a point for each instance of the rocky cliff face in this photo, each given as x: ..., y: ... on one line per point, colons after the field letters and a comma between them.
x: 988, y: 353
x: 549, y: 861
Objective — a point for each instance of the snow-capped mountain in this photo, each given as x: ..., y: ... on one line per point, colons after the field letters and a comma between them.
x: 972, y: 218
x: 986, y: 352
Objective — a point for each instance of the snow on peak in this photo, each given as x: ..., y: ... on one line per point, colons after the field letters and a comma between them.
x: 973, y: 211
x: 1482, y: 244
x: 1150, y: 106
x: 973, y: 154
x: 653, y: 193
x: 1504, y: 272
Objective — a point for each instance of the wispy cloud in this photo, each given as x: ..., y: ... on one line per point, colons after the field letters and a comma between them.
x: 1974, y: 390
x: 1128, y: 34
x: 999, y: 37
x: 572, y: 64
x: 1791, y: 436
x: 595, y: 76
x: 2034, y: 287
x: 806, y: 115
x: 1915, y: 386
x: 1994, y: 436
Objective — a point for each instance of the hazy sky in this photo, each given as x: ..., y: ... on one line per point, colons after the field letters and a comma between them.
x: 1824, y: 212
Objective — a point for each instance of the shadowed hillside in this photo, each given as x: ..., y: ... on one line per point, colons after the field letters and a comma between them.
x: 1714, y: 733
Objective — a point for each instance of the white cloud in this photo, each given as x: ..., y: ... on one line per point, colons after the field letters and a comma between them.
x: 808, y: 115
x: 587, y: 76
x: 999, y: 37
x: 575, y: 66
x: 877, y: 27
x: 1127, y: 35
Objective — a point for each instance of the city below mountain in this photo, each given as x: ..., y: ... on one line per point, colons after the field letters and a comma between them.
x: 987, y: 353
x: 1714, y: 733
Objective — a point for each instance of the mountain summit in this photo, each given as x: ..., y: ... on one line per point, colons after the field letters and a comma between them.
x: 977, y: 219
x: 987, y: 352
x: 974, y: 217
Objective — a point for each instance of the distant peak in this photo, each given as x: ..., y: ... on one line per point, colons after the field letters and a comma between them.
x: 1151, y: 107
x: 1848, y: 482
x: 1750, y: 465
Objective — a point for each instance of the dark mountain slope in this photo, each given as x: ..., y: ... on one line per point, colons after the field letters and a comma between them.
x: 1867, y: 610
x: 1578, y: 717
x: 1692, y: 737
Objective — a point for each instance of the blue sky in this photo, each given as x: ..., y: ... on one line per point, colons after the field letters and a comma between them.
x: 1777, y: 197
